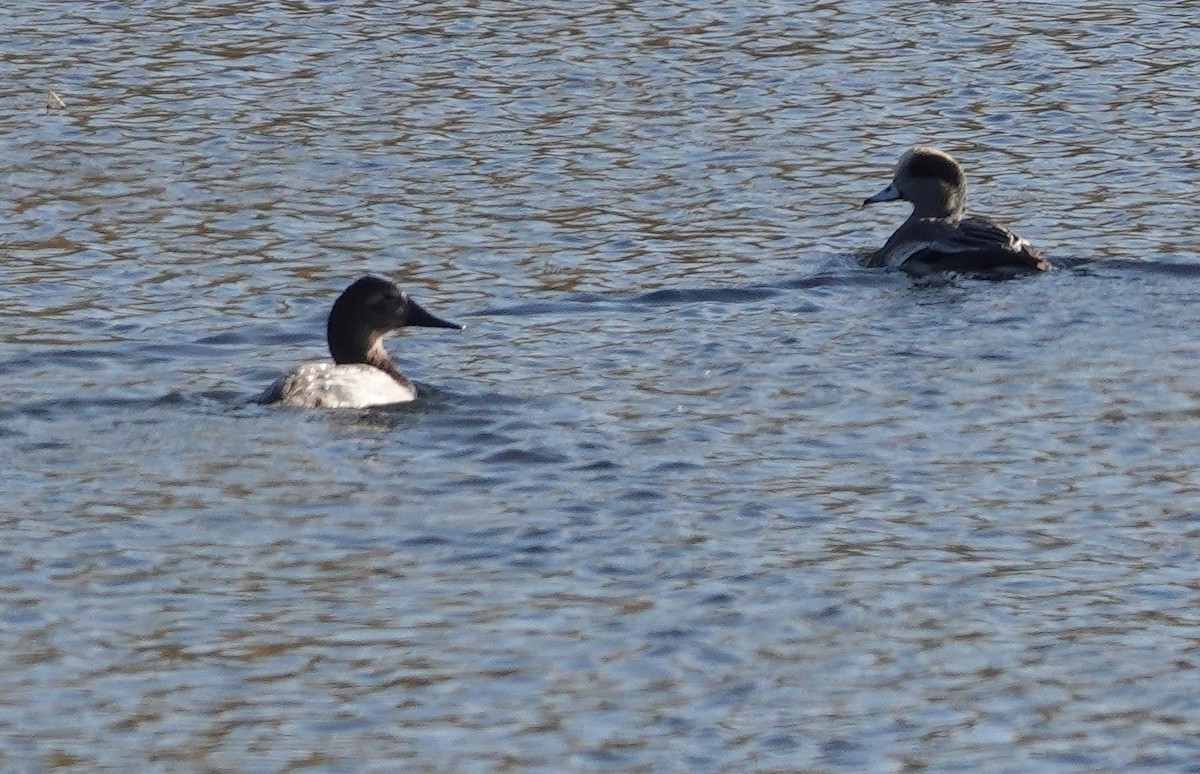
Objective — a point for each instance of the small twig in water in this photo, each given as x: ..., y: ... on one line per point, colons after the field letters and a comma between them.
x: 53, y: 101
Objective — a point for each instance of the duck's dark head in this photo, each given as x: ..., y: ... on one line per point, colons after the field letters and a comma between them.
x: 931, y: 180
x: 366, y: 310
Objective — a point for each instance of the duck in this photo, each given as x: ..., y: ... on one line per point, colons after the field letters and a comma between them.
x: 362, y: 373
x: 938, y: 237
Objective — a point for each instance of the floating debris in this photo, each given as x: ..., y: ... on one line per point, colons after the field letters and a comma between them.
x: 53, y: 101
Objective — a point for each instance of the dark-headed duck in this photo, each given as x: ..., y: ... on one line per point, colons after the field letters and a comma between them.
x: 362, y: 373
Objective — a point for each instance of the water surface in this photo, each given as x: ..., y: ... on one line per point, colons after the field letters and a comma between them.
x: 694, y: 491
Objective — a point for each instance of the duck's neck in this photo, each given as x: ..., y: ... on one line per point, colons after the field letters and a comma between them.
x: 951, y: 210
x: 351, y: 346
x: 377, y: 356
x: 365, y: 347
x: 935, y: 200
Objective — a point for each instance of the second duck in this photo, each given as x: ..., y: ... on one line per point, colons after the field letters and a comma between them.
x: 938, y: 237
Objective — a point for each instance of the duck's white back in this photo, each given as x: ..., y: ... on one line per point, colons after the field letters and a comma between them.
x: 328, y: 385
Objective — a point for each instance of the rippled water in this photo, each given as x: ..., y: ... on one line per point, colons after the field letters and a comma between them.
x: 693, y: 491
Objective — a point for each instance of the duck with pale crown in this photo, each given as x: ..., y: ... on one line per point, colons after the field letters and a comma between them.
x: 362, y: 373
x: 937, y: 237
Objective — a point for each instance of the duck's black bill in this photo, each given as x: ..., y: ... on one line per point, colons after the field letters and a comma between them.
x: 418, y: 316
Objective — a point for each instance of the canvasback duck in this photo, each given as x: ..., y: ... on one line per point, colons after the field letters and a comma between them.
x: 362, y: 373
x: 937, y: 237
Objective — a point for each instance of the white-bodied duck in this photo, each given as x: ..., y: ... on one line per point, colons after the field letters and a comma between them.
x: 362, y: 373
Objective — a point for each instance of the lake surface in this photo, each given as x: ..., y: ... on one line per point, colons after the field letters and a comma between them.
x: 693, y: 491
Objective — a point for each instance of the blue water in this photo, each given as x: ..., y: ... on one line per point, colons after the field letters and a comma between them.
x: 694, y: 491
